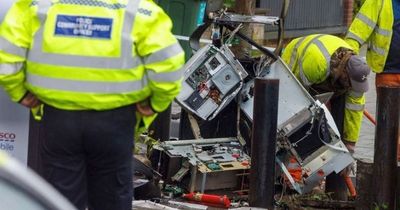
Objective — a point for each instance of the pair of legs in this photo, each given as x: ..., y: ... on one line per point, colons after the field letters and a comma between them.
x: 87, y: 156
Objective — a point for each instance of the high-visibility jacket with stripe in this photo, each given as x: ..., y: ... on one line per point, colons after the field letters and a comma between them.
x: 373, y: 25
x: 90, y: 54
x: 309, y: 59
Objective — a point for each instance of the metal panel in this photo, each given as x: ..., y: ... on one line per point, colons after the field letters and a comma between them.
x: 308, y: 15
x: 290, y: 102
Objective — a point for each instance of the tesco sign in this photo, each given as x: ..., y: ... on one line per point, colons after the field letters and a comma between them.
x: 7, y: 136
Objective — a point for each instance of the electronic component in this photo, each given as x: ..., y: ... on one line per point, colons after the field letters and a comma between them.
x: 213, y: 77
x: 214, y: 163
x: 226, y: 79
x: 199, y: 76
x: 195, y: 101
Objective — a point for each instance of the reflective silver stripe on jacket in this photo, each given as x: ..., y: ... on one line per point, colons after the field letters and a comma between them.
x: 354, y: 107
x: 11, y: 48
x: 10, y: 68
x: 383, y: 32
x: 164, y: 53
x: 324, y: 51
x: 366, y: 20
x: 172, y: 76
x: 294, y: 52
x: 355, y: 94
x: 125, y: 61
x: 374, y: 26
x: 355, y: 37
x: 303, y: 77
x: 377, y: 49
x: 92, y: 3
x: 326, y: 54
x: 84, y: 86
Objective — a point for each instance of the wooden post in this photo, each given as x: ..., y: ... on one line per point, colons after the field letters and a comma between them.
x: 385, y: 156
x: 364, y: 186
x: 244, y: 7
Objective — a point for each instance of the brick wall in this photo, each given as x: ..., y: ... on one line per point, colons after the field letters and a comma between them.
x: 348, y: 12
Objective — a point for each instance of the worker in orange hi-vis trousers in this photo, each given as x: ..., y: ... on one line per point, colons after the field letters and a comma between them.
x: 378, y: 24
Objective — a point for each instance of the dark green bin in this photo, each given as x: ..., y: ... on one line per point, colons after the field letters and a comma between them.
x: 186, y: 15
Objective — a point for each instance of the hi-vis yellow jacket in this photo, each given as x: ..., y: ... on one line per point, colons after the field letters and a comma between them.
x: 90, y: 54
x: 309, y: 59
x: 373, y: 25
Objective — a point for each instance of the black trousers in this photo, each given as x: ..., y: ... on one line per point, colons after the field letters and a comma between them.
x: 87, y: 156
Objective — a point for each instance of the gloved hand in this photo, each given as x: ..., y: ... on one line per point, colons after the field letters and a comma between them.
x: 351, y: 146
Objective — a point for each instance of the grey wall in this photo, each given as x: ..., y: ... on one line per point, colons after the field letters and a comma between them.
x: 309, y: 16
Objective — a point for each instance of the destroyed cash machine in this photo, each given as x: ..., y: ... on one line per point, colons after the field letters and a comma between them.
x: 307, y: 134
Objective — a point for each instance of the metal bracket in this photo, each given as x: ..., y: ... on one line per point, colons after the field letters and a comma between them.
x: 181, y: 173
x: 194, y: 126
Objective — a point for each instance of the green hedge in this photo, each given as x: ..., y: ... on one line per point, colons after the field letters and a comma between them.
x: 357, y: 6
x: 229, y: 3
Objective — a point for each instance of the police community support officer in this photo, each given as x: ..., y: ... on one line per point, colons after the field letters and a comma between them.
x: 89, y: 62
x: 326, y: 63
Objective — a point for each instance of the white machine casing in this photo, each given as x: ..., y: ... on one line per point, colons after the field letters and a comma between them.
x: 213, y: 77
x: 300, y: 121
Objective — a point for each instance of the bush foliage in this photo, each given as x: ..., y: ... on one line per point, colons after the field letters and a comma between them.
x: 229, y: 3
x: 357, y: 6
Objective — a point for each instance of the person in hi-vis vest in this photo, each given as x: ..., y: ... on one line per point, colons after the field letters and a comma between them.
x: 85, y: 67
x: 326, y: 63
x: 377, y: 24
